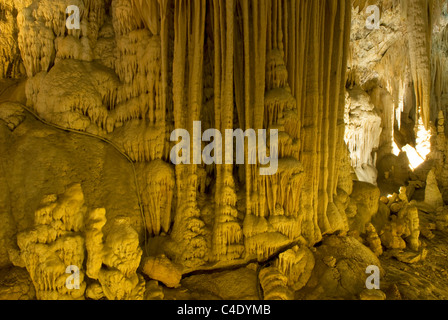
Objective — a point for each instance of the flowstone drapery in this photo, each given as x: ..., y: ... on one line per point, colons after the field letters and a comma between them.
x: 89, y: 116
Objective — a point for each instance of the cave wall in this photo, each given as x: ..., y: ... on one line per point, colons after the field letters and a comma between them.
x: 402, y: 90
x: 87, y: 121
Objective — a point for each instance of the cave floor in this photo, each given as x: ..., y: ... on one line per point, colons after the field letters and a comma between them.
x: 423, y: 280
x: 416, y: 279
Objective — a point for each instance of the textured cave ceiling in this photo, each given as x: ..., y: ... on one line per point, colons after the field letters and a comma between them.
x: 92, y: 205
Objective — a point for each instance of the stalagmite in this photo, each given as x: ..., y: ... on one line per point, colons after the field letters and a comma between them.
x: 9, y: 53
x: 296, y: 264
x: 362, y: 134
x: 274, y: 284
x: 366, y: 198
x: 420, y: 19
x: 157, y: 188
x: 409, y: 215
x: 119, y: 279
x: 94, y: 241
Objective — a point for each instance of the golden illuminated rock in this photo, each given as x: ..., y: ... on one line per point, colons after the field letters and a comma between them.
x: 274, y: 284
x: 391, y: 235
x: 54, y: 243
x: 342, y: 98
x: 373, y: 294
x: 374, y: 240
x: 121, y: 256
x: 433, y: 197
x: 163, y: 270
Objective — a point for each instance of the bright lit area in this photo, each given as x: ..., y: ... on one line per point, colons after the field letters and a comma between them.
x: 418, y: 154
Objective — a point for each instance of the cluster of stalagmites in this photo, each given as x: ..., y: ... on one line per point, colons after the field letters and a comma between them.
x: 67, y: 238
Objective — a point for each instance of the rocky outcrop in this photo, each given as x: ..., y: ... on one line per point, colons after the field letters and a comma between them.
x: 433, y: 197
x: 55, y: 245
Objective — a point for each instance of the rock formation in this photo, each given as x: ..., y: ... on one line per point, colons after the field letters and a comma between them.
x: 341, y: 98
x: 54, y: 244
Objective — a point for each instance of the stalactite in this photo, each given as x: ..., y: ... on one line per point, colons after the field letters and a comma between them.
x: 148, y: 11
x: 251, y: 58
x: 266, y: 64
x: 55, y: 243
x: 188, y: 228
x: 420, y: 19
x: 319, y: 39
x: 124, y: 20
x: 384, y: 102
x: 439, y: 65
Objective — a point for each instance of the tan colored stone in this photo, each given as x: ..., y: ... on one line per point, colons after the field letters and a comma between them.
x: 374, y: 240
x: 372, y: 294
x: 433, y: 196
x: 162, y: 269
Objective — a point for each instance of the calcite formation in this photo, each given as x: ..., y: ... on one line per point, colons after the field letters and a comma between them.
x: 433, y: 196
x: 362, y: 134
x: 121, y: 257
x: 55, y: 243
x: 373, y: 240
x: 343, y: 96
